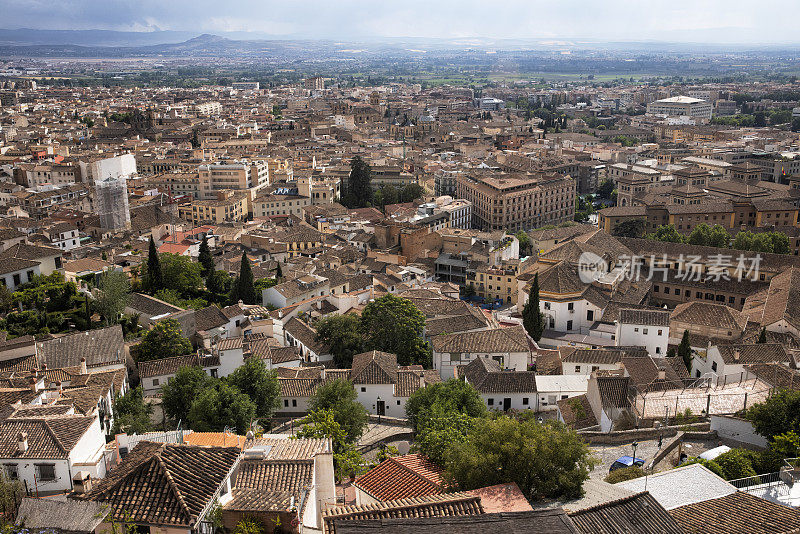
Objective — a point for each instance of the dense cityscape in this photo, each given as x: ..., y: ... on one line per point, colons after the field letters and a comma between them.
x: 253, y: 285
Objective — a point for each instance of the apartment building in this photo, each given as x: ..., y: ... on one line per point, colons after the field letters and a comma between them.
x: 229, y: 206
x: 632, y: 180
x: 681, y: 106
x: 235, y: 175
x: 518, y: 201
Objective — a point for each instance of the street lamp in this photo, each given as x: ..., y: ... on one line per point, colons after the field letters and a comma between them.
x: 379, y: 409
x: 634, y: 445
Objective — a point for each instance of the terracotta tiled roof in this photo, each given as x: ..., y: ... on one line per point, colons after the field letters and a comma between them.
x: 709, y: 314
x: 164, y: 484
x: 637, y: 514
x: 511, y: 339
x: 51, y: 437
x: 166, y: 366
x: 486, y: 376
x: 600, y: 356
x: 577, y: 412
x: 445, y: 505
x: 374, y: 367
x: 276, y: 475
x: 775, y: 374
x: 735, y: 513
x: 100, y: 348
x: 755, y: 353
x: 401, y: 477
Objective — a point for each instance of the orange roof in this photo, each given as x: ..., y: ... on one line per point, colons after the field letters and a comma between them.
x: 173, y: 248
x: 215, y: 439
x: 402, y: 477
x: 502, y: 498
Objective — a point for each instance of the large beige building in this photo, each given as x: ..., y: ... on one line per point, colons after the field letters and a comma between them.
x: 681, y: 105
x: 518, y: 201
x: 236, y: 175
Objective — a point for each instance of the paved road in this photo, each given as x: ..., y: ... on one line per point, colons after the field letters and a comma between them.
x: 645, y: 450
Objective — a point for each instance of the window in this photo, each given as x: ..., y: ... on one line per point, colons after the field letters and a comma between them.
x: 524, y: 401
x: 658, y: 350
x: 285, y: 403
x: 398, y: 403
x: 213, y: 373
x: 363, y: 390
x: 294, y: 403
x: 571, y: 306
x: 45, y: 472
x: 155, y: 382
x: 569, y: 325
x: 714, y: 366
x: 660, y: 332
x: 564, y: 397
x: 590, y: 315
x: 577, y: 368
x: 11, y: 471
x: 546, y: 305
x: 16, y: 280
x: 595, y: 368
x: 636, y: 329
x: 490, y: 402
x: 455, y: 356
x: 644, y: 331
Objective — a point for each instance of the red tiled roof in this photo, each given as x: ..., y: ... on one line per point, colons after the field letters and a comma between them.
x: 401, y: 477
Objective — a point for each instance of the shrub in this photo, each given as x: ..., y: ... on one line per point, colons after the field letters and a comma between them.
x: 736, y: 463
x: 627, y: 473
x: 711, y: 465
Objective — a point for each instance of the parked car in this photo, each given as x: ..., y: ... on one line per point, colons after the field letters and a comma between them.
x: 625, y: 461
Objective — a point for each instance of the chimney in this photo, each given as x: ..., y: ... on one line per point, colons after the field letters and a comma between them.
x: 82, y: 482
x: 33, y: 385
x: 59, y: 388
x: 22, y: 442
x: 84, y: 371
x: 44, y: 367
x: 662, y: 374
x: 737, y: 355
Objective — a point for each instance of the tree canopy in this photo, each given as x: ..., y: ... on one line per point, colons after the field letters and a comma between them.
x: 113, y: 295
x: 342, y: 334
x: 179, y: 393
x: 629, y: 228
x: 777, y: 415
x: 152, y: 277
x: 204, y: 257
x: 221, y: 405
x: 443, y: 399
x: 394, y: 324
x: 341, y: 399
x: 165, y: 340
x: 131, y: 413
x: 261, y: 384
x: 243, y: 285
x: 545, y: 460
x: 359, y: 184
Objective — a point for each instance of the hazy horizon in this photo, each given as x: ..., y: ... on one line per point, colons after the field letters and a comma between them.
x: 677, y: 21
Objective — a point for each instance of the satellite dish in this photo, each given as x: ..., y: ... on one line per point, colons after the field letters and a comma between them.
x: 403, y: 447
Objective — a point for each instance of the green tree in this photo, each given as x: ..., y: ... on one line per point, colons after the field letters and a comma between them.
x: 394, y: 324
x: 438, y: 433
x: 342, y: 334
x: 627, y: 473
x: 164, y: 340
x: 605, y: 189
x: 532, y: 317
x: 524, y: 242
x: 132, y: 413
x: 259, y: 383
x: 685, y: 351
x: 219, y: 283
x: 179, y: 393
x: 545, y: 460
x: 221, y: 405
x: 178, y: 273
x: 359, y: 186
x: 244, y: 285
x: 321, y: 424
x: 341, y: 399
x: 719, y: 237
x: 443, y: 399
x: 700, y: 235
x: 736, y: 464
x: 204, y: 258
x: 777, y: 415
x: 113, y: 295
x: 711, y: 465
x: 667, y: 233
x: 780, y: 242
x: 629, y: 228
x: 153, y: 279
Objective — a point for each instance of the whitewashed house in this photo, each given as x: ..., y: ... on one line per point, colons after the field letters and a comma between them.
x: 499, y: 389
x: 644, y: 328
x: 552, y: 388
x: 510, y: 347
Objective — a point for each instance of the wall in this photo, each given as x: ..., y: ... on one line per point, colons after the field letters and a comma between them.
x: 655, y: 339
x: 737, y: 429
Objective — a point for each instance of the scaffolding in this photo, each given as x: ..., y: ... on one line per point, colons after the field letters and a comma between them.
x: 111, y: 203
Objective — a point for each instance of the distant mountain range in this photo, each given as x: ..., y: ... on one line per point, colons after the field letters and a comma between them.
x: 109, y: 43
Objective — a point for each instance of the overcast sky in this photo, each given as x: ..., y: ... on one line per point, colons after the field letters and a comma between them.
x: 717, y: 21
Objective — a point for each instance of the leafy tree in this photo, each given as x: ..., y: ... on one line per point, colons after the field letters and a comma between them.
x: 629, y: 228
x: 524, y: 242
x: 394, y: 324
x: 6, y: 300
x: 165, y: 340
x: 735, y: 464
x: 113, y: 295
x: 342, y: 334
x: 179, y: 274
x: 777, y: 415
x: 264, y: 283
x: 411, y: 192
x: 605, y: 189
x: 244, y: 286
x: 259, y: 383
x: 322, y: 423
x: 685, y: 351
x: 219, y: 283
x: 131, y: 413
x: 780, y: 242
x: 760, y: 119
x: 220, y: 405
x: 545, y: 460
x: 153, y: 279
x: 627, y: 473
x: 179, y: 393
x: 443, y: 399
x: 667, y: 233
x: 204, y: 257
x: 532, y: 317
x: 438, y: 433
x: 341, y: 399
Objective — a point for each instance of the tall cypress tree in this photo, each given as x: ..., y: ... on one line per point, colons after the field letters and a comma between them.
x: 155, y: 279
x: 685, y: 351
x: 531, y: 315
x: 245, y: 284
x: 359, y: 183
x: 205, y: 259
